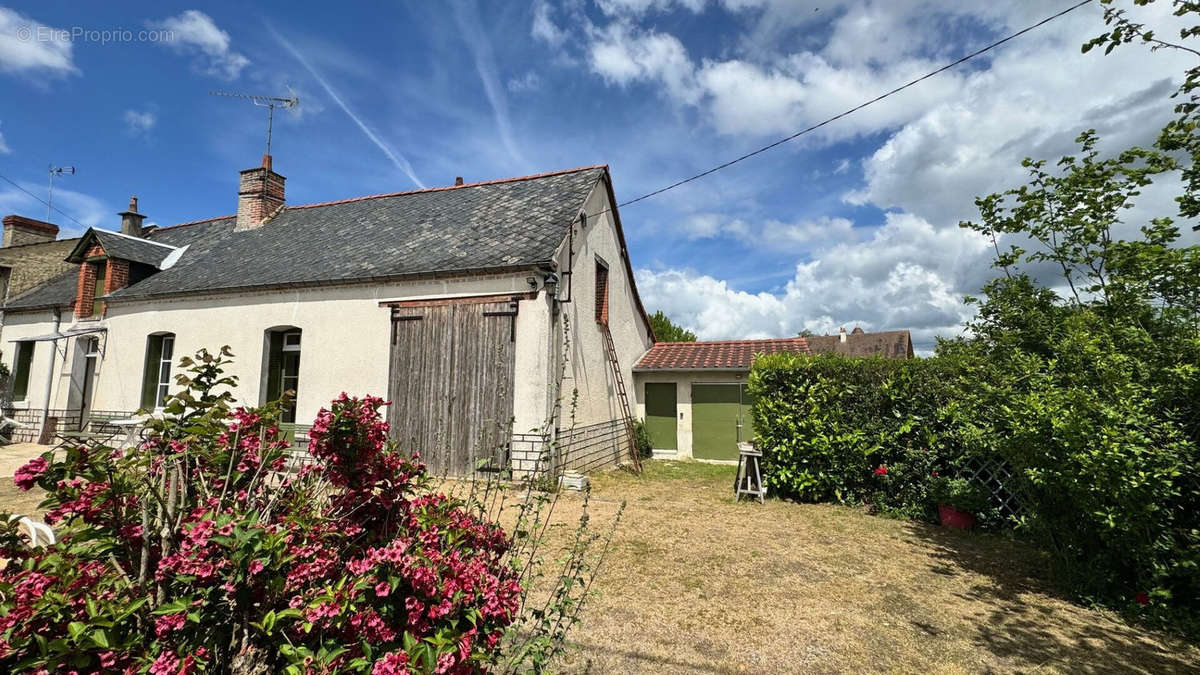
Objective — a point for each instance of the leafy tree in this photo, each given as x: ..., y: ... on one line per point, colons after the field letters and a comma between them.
x: 666, y: 331
x: 1084, y: 360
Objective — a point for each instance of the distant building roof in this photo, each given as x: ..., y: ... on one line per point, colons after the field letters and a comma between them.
x: 896, y: 344
x: 715, y: 355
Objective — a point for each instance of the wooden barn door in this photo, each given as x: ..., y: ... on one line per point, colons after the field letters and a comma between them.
x: 451, y: 382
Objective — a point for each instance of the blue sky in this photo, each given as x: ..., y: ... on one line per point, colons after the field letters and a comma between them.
x: 852, y: 225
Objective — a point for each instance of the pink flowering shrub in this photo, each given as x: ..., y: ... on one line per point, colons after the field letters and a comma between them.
x: 200, y: 551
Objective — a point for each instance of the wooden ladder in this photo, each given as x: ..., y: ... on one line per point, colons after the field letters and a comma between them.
x: 610, y: 354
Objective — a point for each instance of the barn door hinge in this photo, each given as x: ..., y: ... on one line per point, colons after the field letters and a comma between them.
x: 513, y: 306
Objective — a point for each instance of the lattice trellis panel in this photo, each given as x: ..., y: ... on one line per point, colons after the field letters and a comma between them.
x: 1002, y: 484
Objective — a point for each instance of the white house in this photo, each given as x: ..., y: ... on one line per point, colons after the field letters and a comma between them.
x: 480, y: 309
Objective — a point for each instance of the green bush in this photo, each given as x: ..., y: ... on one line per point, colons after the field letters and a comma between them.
x: 958, y: 493
x: 852, y: 430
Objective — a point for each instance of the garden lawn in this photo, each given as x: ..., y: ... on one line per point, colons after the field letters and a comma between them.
x: 698, y: 583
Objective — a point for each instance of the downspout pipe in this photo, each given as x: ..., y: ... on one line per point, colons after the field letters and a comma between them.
x: 50, y: 372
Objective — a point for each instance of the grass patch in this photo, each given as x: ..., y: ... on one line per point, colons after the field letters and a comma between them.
x: 698, y: 583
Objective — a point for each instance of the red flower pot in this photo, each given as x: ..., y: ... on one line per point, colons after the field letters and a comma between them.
x: 952, y: 517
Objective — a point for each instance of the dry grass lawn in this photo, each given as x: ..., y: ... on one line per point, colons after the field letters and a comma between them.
x: 697, y: 583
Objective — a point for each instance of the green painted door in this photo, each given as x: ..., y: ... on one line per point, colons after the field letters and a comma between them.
x: 660, y: 414
x: 720, y: 418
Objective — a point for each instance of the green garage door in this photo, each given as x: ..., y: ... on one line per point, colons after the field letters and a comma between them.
x: 660, y: 414
x: 717, y: 412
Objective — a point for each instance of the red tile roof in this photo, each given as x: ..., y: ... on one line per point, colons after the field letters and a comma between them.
x: 718, y: 354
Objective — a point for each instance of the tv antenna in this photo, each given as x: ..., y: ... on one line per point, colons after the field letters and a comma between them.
x: 55, y: 171
x: 268, y: 102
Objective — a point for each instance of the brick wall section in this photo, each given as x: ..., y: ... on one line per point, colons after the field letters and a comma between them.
x: 86, y: 290
x: 35, y: 264
x: 260, y: 195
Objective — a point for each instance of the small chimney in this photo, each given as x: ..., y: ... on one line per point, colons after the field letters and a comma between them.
x: 19, y: 230
x: 131, y: 220
x: 458, y: 180
x: 843, y: 334
x: 260, y: 196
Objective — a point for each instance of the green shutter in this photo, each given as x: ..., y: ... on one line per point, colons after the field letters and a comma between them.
x: 275, y: 367
x: 150, y: 371
x: 21, y: 366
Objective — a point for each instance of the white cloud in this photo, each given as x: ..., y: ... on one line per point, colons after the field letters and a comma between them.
x: 4, y: 149
x: 194, y: 31
x: 544, y: 28
x: 524, y: 83
x: 623, y: 55
x: 906, y: 275
x: 32, y: 48
x: 139, y: 122
x: 639, y: 7
x: 83, y: 207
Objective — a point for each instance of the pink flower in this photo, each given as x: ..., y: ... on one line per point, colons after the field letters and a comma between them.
x: 382, y: 589
x: 881, y: 471
x: 169, y: 623
x: 26, y: 477
x: 256, y: 566
x: 392, y: 663
x: 166, y: 664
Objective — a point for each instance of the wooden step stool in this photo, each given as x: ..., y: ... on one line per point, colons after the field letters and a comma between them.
x: 748, y: 480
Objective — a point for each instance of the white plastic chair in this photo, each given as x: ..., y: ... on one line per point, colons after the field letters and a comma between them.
x: 38, y: 531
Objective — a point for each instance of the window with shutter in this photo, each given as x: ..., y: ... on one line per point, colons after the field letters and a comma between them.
x: 283, y: 368
x: 98, y: 290
x: 601, y: 293
x: 156, y: 374
x: 22, y: 362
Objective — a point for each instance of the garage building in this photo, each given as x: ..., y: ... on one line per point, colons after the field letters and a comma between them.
x: 693, y: 395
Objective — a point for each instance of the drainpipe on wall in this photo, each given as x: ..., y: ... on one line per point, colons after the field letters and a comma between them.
x: 50, y: 373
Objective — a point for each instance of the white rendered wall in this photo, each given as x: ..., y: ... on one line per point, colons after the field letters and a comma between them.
x: 345, y: 345
x: 586, y: 371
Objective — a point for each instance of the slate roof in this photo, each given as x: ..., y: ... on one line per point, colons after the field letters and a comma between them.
x: 494, y: 225
x: 122, y: 246
x: 501, y: 224
x: 896, y: 344
x: 715, y: 355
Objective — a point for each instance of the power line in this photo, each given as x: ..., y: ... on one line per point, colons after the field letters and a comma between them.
x: 43, y: 201
x: 860, y: 106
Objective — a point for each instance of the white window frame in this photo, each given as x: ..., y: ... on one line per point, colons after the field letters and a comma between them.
x: 164, y: 371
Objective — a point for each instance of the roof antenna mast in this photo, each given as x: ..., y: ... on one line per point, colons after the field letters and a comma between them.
x: 268, y: 102
x: 55, y: 171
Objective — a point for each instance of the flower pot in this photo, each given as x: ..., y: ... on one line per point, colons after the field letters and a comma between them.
x: 952, y: 517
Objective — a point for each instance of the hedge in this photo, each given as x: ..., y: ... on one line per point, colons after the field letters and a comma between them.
x: 849, y: 430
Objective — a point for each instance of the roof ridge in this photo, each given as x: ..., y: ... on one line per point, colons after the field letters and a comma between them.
x: 444, y: 188
x: 721, y: 342
x: 495, y: 181
x: 130, y: 236
x: 160, y: 228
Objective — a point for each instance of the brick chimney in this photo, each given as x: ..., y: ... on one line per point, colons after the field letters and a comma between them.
x: 260, y: 196
x: 131, y: 220
x: 458, y: 180
x: 20, y: 230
